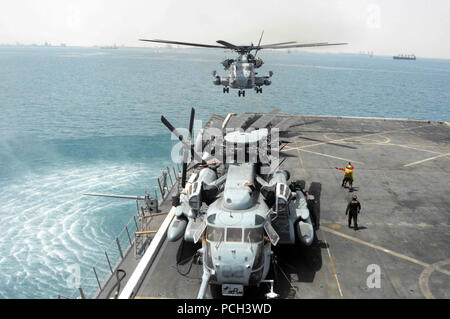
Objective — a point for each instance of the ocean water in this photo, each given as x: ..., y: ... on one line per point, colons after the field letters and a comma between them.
x: 75, y: 120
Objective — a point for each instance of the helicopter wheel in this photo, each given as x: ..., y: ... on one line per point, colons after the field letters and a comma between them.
x: 243, y: 93
x: 216, y: 291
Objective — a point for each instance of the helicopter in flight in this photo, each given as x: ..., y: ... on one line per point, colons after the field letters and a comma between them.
x: 236, y: 207
x: 242, y: 69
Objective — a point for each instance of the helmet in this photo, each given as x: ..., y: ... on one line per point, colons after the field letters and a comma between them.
x: 354, y: 196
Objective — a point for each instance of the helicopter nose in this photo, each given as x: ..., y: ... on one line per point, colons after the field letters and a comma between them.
x: 235, y: 271
x: 241, y: 82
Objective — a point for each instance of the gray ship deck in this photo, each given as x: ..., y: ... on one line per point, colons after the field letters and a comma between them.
x: 402, y: 177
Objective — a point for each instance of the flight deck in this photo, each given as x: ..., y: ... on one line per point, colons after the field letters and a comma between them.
x: 400, y: 250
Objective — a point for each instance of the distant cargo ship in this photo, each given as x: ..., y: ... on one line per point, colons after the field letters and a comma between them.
x: 404, y: 57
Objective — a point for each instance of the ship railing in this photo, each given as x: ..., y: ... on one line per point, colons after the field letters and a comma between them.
x: 92, y: 285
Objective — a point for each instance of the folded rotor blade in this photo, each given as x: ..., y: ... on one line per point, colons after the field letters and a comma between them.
x: 284, y: 124
x: 185, y: 43
x: 284, y: 154
x: 325, y: 142
x: 264, y: 120
x: 191, y: 126
x: 116, y: 196
x: 174, y: 131
x: 184, y: 169
x: 306, y: 123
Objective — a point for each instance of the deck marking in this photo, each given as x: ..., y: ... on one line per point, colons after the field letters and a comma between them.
x: 326, y: 155
x: 425, y: 277
x: 388, y: 251
x: 388, y: 142
x: 362, y: 136
x: 414, y: 148
x: 426, y: 160
x: 363, y: 140
x: 301, y: 160
x: 299, y: 149
x: 333, y: 268
x: 381, y: 224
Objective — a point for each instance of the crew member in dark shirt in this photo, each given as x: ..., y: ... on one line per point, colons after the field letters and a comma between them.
x: 353, y: 209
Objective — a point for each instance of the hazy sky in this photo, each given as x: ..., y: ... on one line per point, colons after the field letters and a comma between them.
x: 385, y: 27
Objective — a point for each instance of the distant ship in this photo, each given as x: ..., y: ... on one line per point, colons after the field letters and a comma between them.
x: 404, y: 57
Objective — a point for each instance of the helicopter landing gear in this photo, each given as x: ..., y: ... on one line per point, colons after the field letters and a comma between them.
x: 241, y: 92
x: 258, y: 90
x: 226, y: 90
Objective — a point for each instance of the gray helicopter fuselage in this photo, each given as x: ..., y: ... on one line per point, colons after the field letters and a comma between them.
x: 242, y: 74
x: 236, y: 251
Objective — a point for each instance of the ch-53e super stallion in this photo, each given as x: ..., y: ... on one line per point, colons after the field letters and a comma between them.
x: 239, y: 207
x: 234, y: 203
x: 242, y: 74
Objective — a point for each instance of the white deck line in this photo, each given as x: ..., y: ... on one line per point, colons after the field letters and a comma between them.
x: 144, y: 264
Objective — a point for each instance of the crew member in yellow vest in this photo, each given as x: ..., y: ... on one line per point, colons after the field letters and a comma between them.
x: 348, y: 175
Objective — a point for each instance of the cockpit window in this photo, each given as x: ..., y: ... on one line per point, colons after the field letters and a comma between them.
x: 215, y: 233
x: 253, y: 235
x: 234, y: 234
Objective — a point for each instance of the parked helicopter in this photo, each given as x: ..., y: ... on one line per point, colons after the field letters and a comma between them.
x: 242, y: 73
x: 240, y: 215
x: 236, y: 203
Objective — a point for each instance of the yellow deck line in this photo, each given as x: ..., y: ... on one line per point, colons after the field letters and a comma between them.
x: 414, y: 148
x: 388, y: 251
x: 333, y: 268
x: 426, y: 160
x: 326, y: 155
x: 357, y: 137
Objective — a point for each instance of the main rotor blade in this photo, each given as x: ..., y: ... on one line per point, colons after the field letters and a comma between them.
x: 265, y: 46
x: 228, y: 44
x: 321, y: 44
x: 259, y: 43
x: 185, y: 43
x: 116, y: 196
